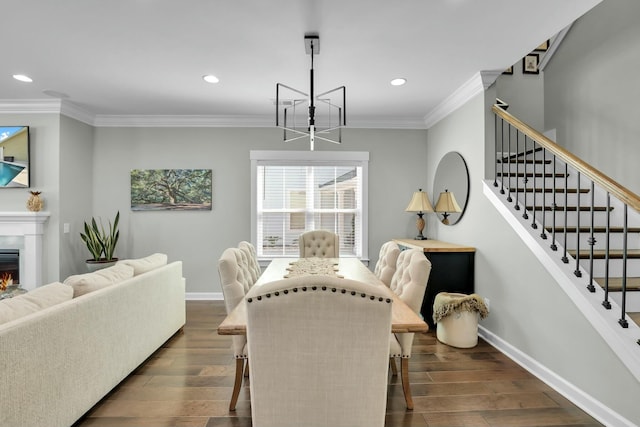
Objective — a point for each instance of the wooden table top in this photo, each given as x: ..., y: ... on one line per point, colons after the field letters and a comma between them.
x: 434, y: 245
x: 403, y: 319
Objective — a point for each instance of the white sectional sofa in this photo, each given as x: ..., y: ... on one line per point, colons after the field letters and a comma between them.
x: 57, y: 362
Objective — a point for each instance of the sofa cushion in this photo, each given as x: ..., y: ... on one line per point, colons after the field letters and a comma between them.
x: 33, y: 301
x: 142, y: 265
x: 89, y: 282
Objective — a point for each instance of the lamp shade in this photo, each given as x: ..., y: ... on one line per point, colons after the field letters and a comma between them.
x: 419, y: 202
x: 447, y: 203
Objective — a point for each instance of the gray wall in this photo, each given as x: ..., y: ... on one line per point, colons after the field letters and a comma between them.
x: 592, y: 91
x: 76, y: 192
x: 528, y: 309
x: 44, y: 132
x: 396, y: 169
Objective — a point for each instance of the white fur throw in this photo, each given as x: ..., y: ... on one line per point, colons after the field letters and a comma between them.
x: 447, y: 303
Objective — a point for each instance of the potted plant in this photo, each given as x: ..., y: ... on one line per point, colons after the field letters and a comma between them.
x: 101, y: 242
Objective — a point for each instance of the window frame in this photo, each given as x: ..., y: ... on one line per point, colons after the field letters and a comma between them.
x: 311, y: 158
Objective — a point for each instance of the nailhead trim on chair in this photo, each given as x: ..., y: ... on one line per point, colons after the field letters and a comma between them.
x: 324, y: 288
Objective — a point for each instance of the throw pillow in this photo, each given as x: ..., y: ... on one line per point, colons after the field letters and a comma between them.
x: 33, y: 301
x: 142, y: 265
x: 89, y: 282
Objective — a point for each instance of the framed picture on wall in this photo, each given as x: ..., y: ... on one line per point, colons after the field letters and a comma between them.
x: 530, y: 64
x: 508, y: 70
x: 171, y: 189
x: 543, y: 47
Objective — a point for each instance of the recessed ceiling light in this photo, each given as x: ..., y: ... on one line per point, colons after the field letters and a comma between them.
x: 210, y: 78
x: 398, y: 82
x: 22, y: 78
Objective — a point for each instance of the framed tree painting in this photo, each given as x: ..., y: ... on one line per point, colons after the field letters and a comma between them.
x: 171, y: 189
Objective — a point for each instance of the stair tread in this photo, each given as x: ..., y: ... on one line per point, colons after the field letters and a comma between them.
x: 521, y: 161
x: 600, y: 253
x: 550, y: 190
x: 635, y: 317
x: 531, y: 174
x: 570, y: 208
x: 560, y: 229
x: 615, y: 283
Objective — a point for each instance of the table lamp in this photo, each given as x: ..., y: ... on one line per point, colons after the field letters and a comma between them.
x: 447, y: 203
x: 420, y: 204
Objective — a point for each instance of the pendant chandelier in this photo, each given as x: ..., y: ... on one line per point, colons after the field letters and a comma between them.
x: 325, y: 115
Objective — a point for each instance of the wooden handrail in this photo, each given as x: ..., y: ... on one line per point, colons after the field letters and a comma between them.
x: 625, y: 195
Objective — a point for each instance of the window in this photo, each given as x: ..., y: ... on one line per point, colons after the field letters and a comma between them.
x: 296, y: 191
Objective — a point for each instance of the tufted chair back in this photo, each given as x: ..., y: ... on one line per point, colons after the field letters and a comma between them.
x: 327, y: 332
x: 235, y: 280
x: 409, y: 282
x: 386, y: 265
x: 253, y: 266
x: 319, y: 243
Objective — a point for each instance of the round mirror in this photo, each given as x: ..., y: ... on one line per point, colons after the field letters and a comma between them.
x: 452, y: 177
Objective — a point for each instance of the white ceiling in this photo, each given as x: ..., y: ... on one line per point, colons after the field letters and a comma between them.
x: 147, y: 57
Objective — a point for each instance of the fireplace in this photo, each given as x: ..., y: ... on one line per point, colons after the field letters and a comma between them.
x: 9, y: 267
x: 22, y: 232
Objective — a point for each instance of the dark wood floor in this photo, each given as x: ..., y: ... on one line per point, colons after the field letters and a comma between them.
x: 187, y: 383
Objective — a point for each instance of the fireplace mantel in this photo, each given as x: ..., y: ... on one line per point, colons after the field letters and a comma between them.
x: 29, y: 225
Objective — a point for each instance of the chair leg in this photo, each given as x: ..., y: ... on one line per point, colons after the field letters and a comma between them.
x: 404, y: 367
x: 394, y: 368
x: 246, y: 369
x: 237, y: 384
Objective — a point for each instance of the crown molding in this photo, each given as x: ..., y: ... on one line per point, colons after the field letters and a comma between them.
x: 31, y: 106
x: 472, y: 87
x: 74, y: 111
x: 556, y: 42
x: 69, y: 109
x: 103, y: 120
x: 457, y: 99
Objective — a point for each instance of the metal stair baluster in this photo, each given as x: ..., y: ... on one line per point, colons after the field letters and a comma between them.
x: 509, y: 199
x: 495, y: 138
x: 623, y: 321
x: 517, y: 206
x: 525, y: 213
x: 606, y: 304
x: 554, y: 208
x: 592, y: 242
x: 577, y: 271
x: 502, y: 159
x: 533, y: 188
x: 565, y: 259
x: 543, y: 234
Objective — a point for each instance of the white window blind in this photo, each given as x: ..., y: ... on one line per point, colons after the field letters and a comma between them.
x: 294, y: 191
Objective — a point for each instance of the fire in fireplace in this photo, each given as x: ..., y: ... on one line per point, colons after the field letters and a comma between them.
x: 9, y: 267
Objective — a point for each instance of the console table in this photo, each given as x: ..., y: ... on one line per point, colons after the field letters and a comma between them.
x: 452, y: 270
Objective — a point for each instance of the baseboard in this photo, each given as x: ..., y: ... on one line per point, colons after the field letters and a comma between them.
x: 584, y: 401
x: 204, y: 296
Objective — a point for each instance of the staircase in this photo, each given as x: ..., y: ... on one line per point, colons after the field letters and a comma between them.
x: 581, y: 217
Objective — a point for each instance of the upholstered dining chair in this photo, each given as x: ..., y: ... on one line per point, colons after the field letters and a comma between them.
x: 319, y: 243
x: 252, y: 259
x: 319, y: 352
x: 235, y: 280
x: 409, y: 283
x: 386, y: 264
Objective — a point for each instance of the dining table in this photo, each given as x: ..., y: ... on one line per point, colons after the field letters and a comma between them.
x: 403, y: 318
